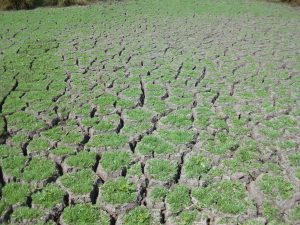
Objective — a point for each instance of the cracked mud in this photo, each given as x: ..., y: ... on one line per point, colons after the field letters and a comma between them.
x: 151, y: 112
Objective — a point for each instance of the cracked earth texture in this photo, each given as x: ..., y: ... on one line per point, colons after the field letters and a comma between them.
x: 151, y: 112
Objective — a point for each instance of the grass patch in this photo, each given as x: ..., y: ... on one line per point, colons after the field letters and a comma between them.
x: 39, y: 169
x: 13, y: 165
x: 177, y: 136
x: 139, y: 215
x: 83, y: 160
x: 177, y: 203
x: 25, y: 214
x: 114, y: 161
x: 276, y: 186
x: 226, y: 196
x: 16, y: 193
x: 196, y: 166
x: 49, y: 197
x: 163, y: 170
x: 85, y: 214
x: 158, y: 193
x: 108, y: 140
x: 119, y: 191
x: 151, y: 143
x: 38, y: 145
x: 63, y: 151
x: 81, y: 182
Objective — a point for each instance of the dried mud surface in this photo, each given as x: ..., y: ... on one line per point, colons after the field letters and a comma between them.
x: 112, y: 102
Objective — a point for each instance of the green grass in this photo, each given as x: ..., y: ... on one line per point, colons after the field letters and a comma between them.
x: 295, y: 159
x: 276, y: 186
x: 38, y: 145
x: 176, y: 136
x: 49, y: 196
x: 135, y: 170
x: 108, y: 140
x: 154, y: 144
x: 79, y: 183
x: 13, y: 165
x: 39, y: 169
x: 54, y: 134
x: 178, y: 198
x: 196, y: 166
x: 63, y: 151
x: 139, y: 115
x: 139, y: 215
x: 163, y: 170
x: 24, y: 213
x: 6, y: 151
x: 114, y: 161
x: 16, y: 193
x: 85, y: 214
x: 70, y: 76
x: 158, y: 193
x: 187, y: 217
x: 119, y: 191
x: 82, y: 160
x: 226, y: 196
x: 180, y: 118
